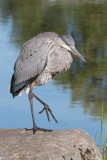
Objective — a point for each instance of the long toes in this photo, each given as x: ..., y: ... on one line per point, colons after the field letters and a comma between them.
x: 47, y: 109
x: 42, y: 110
x: 45, y: 130
x: 38, y: 129
x: 47, y: 115
x: 28, y: 129
x: 54, y: 118
x: 31, y: 129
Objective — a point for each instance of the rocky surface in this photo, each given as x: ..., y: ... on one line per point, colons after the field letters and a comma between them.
x: 18, y: 144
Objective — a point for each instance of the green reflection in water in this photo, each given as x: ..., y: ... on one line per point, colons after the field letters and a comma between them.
x: 87, y: 22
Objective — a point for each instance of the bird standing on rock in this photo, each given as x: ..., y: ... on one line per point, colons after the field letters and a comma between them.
x: 38, y: 62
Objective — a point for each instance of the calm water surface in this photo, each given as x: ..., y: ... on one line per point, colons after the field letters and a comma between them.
x: 75, y: 96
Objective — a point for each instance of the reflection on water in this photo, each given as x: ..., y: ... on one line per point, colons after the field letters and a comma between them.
x: 84, y: 83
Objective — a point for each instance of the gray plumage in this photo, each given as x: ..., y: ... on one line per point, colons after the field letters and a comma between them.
x: 40, y: 59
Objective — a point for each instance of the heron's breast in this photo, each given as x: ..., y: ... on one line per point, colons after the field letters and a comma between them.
x: 43, y: 78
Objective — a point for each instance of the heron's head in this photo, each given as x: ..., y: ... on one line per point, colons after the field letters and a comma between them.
x: 70, y: 45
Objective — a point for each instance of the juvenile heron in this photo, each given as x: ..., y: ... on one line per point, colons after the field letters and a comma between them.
x: 38, y: 62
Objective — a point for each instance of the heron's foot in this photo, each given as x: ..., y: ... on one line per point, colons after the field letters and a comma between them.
x: 47, y: 109
x: 38, y: 129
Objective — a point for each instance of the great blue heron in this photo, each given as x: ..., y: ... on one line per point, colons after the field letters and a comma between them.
x: 38, y: 62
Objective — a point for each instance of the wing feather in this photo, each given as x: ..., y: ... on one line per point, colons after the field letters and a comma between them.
x: 32, y: 61
x: 30, y: 65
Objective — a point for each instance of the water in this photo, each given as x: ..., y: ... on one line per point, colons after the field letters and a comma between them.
x: 75, y: 96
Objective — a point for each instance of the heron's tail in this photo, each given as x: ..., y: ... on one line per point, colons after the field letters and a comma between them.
x: 15, y: 89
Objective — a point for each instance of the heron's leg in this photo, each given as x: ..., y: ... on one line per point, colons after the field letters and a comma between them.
x: 35, y: 128
x: 31, y: 106
x: 46, y: 108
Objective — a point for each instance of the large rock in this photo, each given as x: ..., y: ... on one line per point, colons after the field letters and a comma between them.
x: 18, y: 144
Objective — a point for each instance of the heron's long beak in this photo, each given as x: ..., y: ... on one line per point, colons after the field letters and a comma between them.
x: 75, y: 52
